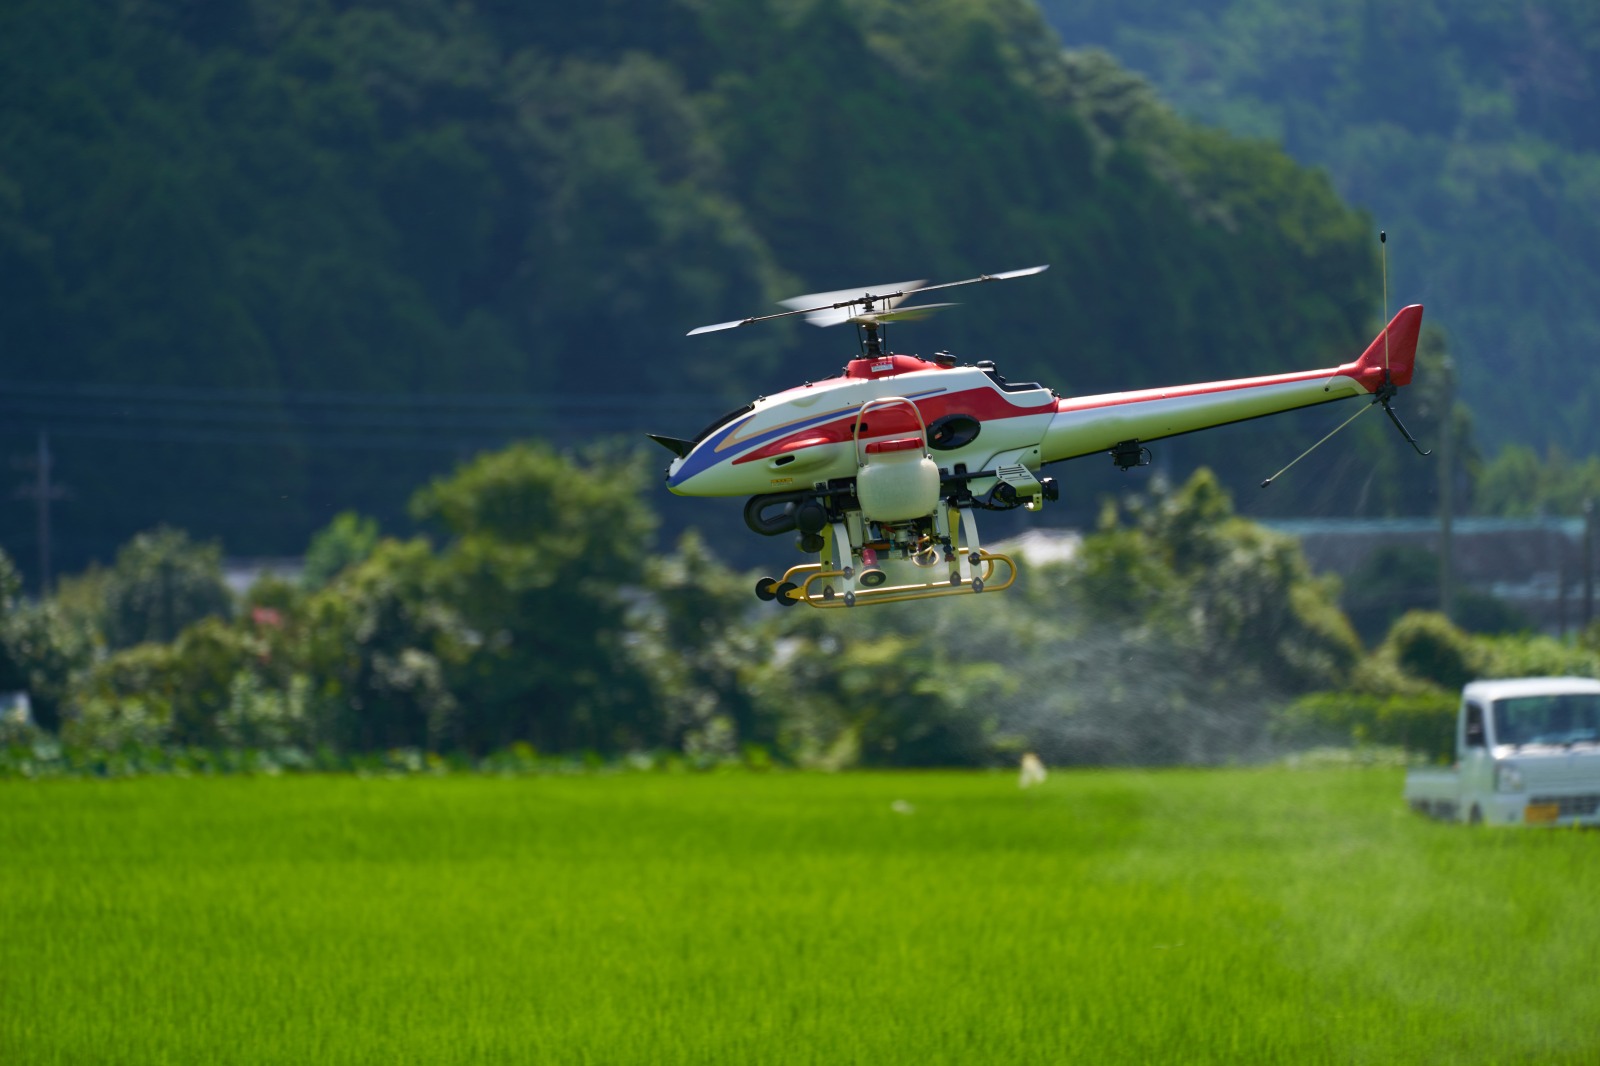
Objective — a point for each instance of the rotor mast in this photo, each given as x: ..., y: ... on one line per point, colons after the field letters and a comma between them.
x: 868, y: 330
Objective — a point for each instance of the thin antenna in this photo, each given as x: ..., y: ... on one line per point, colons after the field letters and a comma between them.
x: 1364, y: 409
x: 1381, y: 395
x: 1383, y: 243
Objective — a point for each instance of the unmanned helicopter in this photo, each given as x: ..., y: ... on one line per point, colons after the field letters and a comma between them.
x: 881, y: 471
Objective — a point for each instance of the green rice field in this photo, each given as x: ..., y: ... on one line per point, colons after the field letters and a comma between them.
x: 1274, y: 915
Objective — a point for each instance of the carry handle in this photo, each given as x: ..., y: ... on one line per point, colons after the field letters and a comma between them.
x: 885, y: 401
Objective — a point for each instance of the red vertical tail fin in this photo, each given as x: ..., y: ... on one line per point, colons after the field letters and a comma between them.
x: 1395, y: 349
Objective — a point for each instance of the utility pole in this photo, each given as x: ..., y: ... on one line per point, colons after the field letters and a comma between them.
x: 1447, y: 482
x: 41, y: 490
x: 1563, y: 549
x: 1588, y: 563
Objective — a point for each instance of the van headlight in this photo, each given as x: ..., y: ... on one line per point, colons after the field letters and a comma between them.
x: 1507, y: 778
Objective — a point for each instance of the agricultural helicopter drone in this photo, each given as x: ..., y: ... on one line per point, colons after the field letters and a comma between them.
x: 881, y: 470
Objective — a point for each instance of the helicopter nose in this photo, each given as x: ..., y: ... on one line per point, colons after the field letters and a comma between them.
x: 699, y: 474
x: 684, y: 477
x: 671, y: 476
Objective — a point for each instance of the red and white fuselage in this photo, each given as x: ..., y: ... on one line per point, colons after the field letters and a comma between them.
x: 804, y: 438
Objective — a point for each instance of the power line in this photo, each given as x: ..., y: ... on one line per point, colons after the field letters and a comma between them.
x: 347, y: 398
x: 301, y: 427
x: 345, y: 420
x: 287, y: 436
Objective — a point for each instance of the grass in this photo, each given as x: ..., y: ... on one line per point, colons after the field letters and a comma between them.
x: 1186, y: 916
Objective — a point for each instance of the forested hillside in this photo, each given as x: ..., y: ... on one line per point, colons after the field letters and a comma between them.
x: 266, y: 261
x: 1472, y: 131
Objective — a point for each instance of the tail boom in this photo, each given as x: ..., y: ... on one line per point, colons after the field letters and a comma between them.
x: 1088, y: 425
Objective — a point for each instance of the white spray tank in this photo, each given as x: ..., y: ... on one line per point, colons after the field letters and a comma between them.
x: 897, y: 480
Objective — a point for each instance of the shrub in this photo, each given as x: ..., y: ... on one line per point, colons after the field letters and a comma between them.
x: 1421, y: 724
x: 1427, y: 646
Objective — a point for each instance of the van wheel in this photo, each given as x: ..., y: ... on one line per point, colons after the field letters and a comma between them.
x: 1476, y: 817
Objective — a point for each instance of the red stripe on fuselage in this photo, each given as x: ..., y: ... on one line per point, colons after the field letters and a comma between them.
x: 1369, y: 379
x: 986, y: 405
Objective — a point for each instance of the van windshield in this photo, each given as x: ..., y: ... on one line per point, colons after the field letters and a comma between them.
x: 1567, y: 718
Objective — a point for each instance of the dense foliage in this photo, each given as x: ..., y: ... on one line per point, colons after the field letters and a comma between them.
x: 1176, y: 633
x: 267, y: 262
x: 1522, y: 483
x: 1406, y: 693
x: 1467, y: 129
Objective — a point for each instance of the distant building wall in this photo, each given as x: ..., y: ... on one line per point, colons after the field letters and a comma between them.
x: 240, y: 574
x: 1536, y: 565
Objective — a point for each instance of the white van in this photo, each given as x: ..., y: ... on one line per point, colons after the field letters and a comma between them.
x: 1527, y: 753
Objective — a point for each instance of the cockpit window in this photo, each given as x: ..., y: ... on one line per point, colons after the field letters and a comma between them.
x: 724, y: 420
x: 987, y: 366
x: 1566, y: 718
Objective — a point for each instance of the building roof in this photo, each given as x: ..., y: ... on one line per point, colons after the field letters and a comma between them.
x: 1459, y: 526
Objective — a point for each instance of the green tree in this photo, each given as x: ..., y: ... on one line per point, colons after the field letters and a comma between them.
x: 893, y: 689
x: 162, y: 582
x: 692, y: 635
x: 350, y: 538
x: 1426, y: 646
x: 13, y: 674
x: 1243, y: 598
x: 544, y: 553
x: 44, y: 646
x: 217, y: 685
x: 375, y: 646
x: 1519, y: 483
x: 1426, y: 114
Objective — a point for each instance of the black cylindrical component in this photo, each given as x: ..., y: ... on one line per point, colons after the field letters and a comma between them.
x: 770, y: 525
x: 810, y: 516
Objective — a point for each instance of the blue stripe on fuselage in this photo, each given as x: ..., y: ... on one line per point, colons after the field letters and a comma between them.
x: 705, y: 456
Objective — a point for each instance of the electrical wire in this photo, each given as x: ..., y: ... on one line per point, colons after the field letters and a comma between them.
x: 341, y: 420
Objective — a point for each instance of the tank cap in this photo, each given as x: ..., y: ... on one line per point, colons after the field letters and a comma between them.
x: 901, y: 445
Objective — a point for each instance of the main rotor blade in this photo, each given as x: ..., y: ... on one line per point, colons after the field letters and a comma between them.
x: 735, y: 324
x: 861, y: 297
x: 1006, y: 276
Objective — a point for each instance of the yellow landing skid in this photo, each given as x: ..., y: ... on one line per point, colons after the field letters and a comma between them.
x: 827, y: 589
